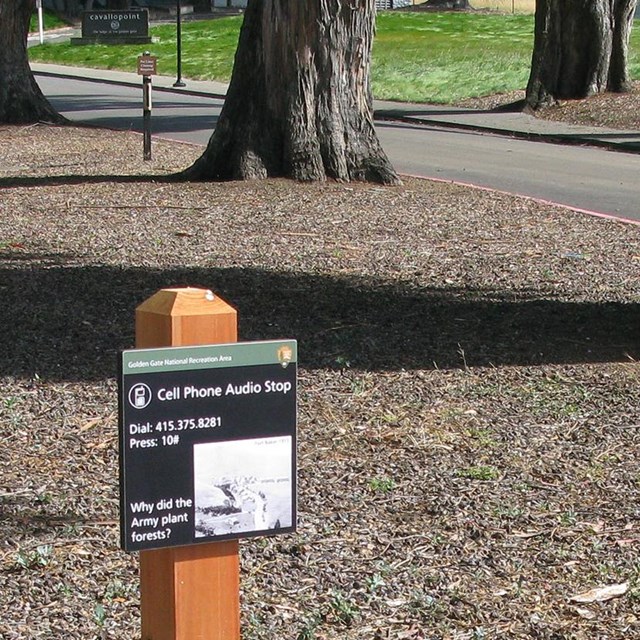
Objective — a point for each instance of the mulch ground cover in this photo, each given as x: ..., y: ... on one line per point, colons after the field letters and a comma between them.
x: 469, y: 395
x: 611, y: 110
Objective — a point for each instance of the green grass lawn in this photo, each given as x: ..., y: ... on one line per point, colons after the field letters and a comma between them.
x: 208, y: 48
x: 50, y: 22
x: 417, y: 57
x: 444, y: 57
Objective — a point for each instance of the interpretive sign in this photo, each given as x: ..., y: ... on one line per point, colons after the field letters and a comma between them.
x: 114, y: 27
x: 207, y: 443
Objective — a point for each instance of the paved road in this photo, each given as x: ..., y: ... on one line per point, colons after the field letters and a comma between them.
x: 178, y: 116
x: 592, y: 179
x: 582, y: 177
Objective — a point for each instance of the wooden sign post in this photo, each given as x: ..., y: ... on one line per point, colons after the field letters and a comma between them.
x: 191, y: 592
x: 147, y: 67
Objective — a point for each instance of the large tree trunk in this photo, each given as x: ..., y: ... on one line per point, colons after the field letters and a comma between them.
x: 299, y: 103
x: 580, y: 49
x: 21, y: 100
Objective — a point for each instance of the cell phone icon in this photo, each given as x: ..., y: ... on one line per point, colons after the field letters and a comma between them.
x: 140, y: 396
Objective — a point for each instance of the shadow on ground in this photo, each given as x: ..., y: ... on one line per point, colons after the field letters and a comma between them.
x: 115, y: 111
x: 49, y: 181
x: 68, y: 322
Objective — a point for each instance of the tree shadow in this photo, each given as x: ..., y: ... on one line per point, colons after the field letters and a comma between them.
x: 185, y: 114
x: 13, y: 182
x: 68, y: 323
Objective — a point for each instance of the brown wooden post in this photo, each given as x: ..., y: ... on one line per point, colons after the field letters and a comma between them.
x: 192, y: 592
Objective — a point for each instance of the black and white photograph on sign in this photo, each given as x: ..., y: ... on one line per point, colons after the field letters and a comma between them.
x: 242, y: 486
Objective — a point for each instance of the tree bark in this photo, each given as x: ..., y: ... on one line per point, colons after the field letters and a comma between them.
x: 21, y: 100
x: 580, y: 49
x: 299, y: 103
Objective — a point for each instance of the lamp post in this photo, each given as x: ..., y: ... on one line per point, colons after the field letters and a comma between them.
x: 40, y: 21
x: 179, y: 82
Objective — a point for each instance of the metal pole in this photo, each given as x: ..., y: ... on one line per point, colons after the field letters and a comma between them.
x: 179, y: 82
x: 146, y: 116
x: 40, y: 21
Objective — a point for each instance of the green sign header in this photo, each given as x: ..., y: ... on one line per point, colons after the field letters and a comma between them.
x: 213, y: 356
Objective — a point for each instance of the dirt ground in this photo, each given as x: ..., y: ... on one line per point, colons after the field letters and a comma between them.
x: 469, y: 395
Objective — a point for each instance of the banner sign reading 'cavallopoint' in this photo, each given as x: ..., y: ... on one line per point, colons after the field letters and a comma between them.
x: 207, y: 443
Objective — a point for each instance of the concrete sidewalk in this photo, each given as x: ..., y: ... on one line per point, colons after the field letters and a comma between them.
x: 501, y: 123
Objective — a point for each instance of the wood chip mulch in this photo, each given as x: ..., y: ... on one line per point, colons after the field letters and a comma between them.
x: 610, y: 110
x: 469, y: 402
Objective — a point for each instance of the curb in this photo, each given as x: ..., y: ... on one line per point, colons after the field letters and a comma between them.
x: 127, y: 83
x: 532, y: 136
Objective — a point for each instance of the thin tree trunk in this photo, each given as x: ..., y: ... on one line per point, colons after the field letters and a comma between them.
x: 624, y: 12
x: 299, y: 103
x: 580, y: 49
x: 21, y: 100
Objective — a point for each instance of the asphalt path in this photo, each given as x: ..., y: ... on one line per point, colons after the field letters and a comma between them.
x: 587, y: 178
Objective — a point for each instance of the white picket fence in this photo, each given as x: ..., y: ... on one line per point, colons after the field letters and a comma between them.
x: 392, y: 4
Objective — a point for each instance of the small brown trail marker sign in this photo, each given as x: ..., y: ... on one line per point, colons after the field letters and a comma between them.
x: 147, y: 65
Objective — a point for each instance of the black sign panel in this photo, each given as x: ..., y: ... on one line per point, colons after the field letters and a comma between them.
x: 115, y: 24
x: 207, y: 443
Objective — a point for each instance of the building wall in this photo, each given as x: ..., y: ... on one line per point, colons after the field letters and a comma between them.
x: 234, y: 3
x: 507, y: 6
